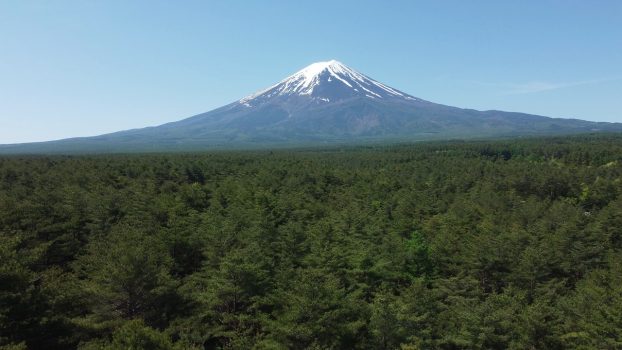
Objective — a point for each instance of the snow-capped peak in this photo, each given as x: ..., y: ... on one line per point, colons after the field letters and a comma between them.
x: 327, y: 81
x: 305, y: 80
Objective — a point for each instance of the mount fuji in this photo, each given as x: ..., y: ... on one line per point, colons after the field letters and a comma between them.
x: 326, y: 102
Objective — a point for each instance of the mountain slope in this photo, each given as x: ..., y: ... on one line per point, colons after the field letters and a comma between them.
x: 324, y: 102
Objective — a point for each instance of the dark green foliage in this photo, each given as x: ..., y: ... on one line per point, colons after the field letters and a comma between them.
x: 453, y: 245
x: 132, y: 335
x: 126, y: 275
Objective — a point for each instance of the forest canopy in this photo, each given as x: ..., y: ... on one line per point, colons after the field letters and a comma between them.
x: 511, y: 244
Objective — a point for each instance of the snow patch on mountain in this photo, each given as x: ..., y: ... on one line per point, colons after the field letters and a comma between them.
x: 323, y: 76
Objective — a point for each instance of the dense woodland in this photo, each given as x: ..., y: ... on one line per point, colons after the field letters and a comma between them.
x: 513, y: 244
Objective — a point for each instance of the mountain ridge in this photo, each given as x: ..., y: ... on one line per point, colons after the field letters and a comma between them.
x: 323, y: 102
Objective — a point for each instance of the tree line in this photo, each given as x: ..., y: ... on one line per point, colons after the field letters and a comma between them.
x: 512, y: 244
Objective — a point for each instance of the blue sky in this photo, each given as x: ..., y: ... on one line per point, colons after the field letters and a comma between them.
x: 81, y: 68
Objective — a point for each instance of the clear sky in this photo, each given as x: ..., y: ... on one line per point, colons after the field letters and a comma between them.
x: 81, y: 68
